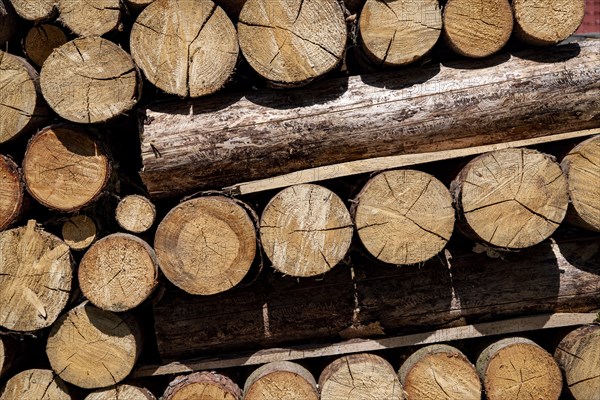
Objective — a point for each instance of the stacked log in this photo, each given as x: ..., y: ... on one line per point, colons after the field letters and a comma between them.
x: 547, y: 22
x: 79, y: 232
x: 11, y: 192
x: 123, y: 391
x: 202, y: 386
x: 282, y: 380
x: 41, y: 40
x: 35, y: 384
x: 135, y: 213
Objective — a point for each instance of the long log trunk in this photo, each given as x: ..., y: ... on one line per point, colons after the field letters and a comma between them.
x: 225, y: 140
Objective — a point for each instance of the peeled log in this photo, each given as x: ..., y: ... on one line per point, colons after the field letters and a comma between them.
x: 282, y: 380
x: 34, y: 10
x: 121, y: 392
x: 38, y: 384
x: 79, y: 232
x: 547, y: 22
x: 90, y: 17
x: 202, y: 386
x: 225, y: 140
x: 135, y: 213
x: 41, y: 40
x: 11, y: 192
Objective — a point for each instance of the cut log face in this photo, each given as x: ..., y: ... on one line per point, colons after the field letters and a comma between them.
x: 185, y: 47
x: 79, y: 232
x: 404, y: 217
x: 35, y: 278
x: 90, y: 17
x: 292, y: 42
x: 34, y: 10
x: 41, y: 40
x: 92, y: 348
x: 206, y: 245
x: 305, y: 230
x: 202, y: 386
x: 8, y: 21
x: 118, y: 272
x: 582, y: 169
x: 121, y: 392
x: 39, y: 384
x: 135, y: 213
x: 513, y: 198
x: 577, y: 355
x: 519, y: 369
x: 399, y: 32
x: 439, y: 372
x: 282, y: 380
x: 477, y: 28
x: 73, y: 177
x: 547, y: 22
x: 89, y: 80
x: 11, y: 192
x: 360, y: 376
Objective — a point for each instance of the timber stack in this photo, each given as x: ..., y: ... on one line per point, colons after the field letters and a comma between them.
x: 299, y: 200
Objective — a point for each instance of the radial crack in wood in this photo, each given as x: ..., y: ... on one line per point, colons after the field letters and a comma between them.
x: 41, y: 40
x: 38, y: 384
x: 135, y: 213
x: 11, y: 192
x: 90, y: 17
x: 547, y: 22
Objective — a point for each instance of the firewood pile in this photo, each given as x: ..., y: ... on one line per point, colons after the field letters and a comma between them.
x: 298, y: 200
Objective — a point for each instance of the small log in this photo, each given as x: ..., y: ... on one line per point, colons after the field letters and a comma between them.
x: 439, y: 372
x: 547, y: 22
x: 517, y: 368
x: 305, y: 230
x: 477, y: 28
x: 512, y: 198
x: 282, y: 380
x: 290, y: 43
x: 185, y: 48
x: 89, y: 80
x: 11, y: 192
x: 121, y: 392
x: 35, y: 278
x: 41, y: 40
x: 8, y: 22
x: 79, y: 232
x: 8, y: 353
x: 74, y: 176
x: 360, y: 376
x: 34, y: 10
x: 135, y: 213
x: 90, y: 17
x: 206, y: 245
x: 577, y: 355
x: 394, y: 33
x: 202, y: 386
x: 404, y: 216
x: 582, y: 169
x: 118, y: 272
x: 92, y: 348
x: 38, y: 384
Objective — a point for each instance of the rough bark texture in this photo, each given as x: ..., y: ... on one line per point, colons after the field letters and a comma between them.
x: 202, y: 386
x: 34, y: 10
x: 41, y: 40
x: 39, y: 384
x: 281, y: 380
x: 135, y: 213
x: 225, y: 140
x: 121, y: 392
x: 8, y: 21
x: 547, y: 22
x: 90, y: 17
x: 11, y: 192
x: 79, y: 232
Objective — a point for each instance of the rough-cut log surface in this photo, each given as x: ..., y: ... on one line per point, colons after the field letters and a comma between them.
x: 92, y: 348
x: 35, y: 278
x: 11, y: 192
x: 281, y: 380
x: 121, y: 392
x: 360, y: 376
x: 399, y: 32
x: 185, y: 48
x: 518, y: 369
x: 305, y: 230
x: 477, y: 28
x: 220, y: 141
x: 439, y: 372
x: 577, y: 355
x: 206, y: 245
x: 41, y: 40
x: 90, y: 80
x: 513, y: 198
x: 202, y: 386
x: 135, y: 213
x: 8, y: 352
x: 8, y: 21
x: 118, y: 272
x: 582, y: 169
x: 404, y: 217
x: 90, y: 17
x: 292, y: 42
x: 38, y: 384
x: 547, y: 22
x: 74, y: 176
x: 34, y: 10
x: 79, y: 232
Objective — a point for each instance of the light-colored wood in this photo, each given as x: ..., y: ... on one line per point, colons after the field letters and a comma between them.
x: 118, y: 272
x: 35, y: 278
x: 290, y: 43
x: 8, y: 22
x: 404, y: 216
x: 439, y: 372
x: 90, y: 17
x: 185, y: 48
x: 8, y: 352
x: 360, y: 376
x: 577, y: 355
x: 512, y: 198
x: 202, y: 386
x: 582, y: 169
x: 92, y: 348
x: 399, y: 32
x: 34, y: 10
x: 79, y: 232
x: 11, y: 192
x: 547, y: 22
x: 282, y: 380
x: 121, y: 392
x: 74, y: 176
x: 206, y: 245
x: 477, y: 28
x: 38, y: 384
x: 135, y: 213
x: 89, y: 80
x: 305, y: 230
x: 519, y: 369
x: 41, y: 40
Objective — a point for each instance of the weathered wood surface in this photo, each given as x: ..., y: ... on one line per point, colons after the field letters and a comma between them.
x: 221, y: 140
x: 202, y: 386
x: 281, y: 380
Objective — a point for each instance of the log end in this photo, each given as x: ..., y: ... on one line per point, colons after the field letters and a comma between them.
x: 135, y: 213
